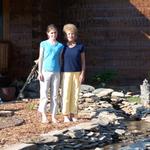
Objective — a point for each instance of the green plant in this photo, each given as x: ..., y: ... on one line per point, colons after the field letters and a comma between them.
x: 31, y: 106
x: 134, y: 99
x: 104, y: 77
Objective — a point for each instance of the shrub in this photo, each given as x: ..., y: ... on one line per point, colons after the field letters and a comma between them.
x: 103, y: 78
x: 134, y: 99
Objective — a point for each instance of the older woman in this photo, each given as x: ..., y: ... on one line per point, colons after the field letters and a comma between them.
x: 73, y: 68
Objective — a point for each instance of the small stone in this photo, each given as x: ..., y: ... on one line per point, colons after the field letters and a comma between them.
x: 6, y: 113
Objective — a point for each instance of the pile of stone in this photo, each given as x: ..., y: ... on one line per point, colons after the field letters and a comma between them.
x: 106, y: 110
x: 94, y: 101
x: 105, y: 130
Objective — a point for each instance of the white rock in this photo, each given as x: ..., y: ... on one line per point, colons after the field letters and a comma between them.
x: 120, y: 131
x: 88, y: 95
x: 102, y: 92
x: 117, y: 94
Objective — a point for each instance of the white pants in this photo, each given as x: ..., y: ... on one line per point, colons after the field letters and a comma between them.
x: 52, y: 81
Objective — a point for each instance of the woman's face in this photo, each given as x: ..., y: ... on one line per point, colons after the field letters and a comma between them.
x: 71, y: 36
x: 52, y: 34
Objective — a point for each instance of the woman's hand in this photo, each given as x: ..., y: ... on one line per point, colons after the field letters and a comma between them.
x: 81, y: 77
x: 41, y: 77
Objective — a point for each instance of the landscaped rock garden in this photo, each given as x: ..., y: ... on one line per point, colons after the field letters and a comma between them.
x: 106, y: 111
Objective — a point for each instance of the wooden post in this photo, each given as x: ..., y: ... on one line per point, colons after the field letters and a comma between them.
x: 6, y: 20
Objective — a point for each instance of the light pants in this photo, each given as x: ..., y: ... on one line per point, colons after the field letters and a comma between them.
x: 52, y: 81
x: 70, y: 92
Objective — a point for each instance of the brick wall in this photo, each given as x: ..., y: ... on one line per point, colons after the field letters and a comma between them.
x: 28, y: 23
x: 112, y: 33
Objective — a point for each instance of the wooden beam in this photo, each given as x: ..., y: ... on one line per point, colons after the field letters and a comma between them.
x: 6, y: 19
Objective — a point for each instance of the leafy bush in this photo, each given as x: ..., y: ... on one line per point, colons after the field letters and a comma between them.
x: 103, y: 78
x: 31, y: 106
x: 134, y: 99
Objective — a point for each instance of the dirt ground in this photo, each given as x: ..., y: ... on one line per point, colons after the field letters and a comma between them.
x: 31, y: 127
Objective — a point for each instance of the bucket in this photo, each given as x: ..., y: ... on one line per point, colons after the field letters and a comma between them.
x: 8, y: 93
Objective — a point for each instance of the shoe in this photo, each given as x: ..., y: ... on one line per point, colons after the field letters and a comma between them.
x: 54, y: 120
x: 66, y: 119
x: 44, y: 118
x: 74, y: 119
x: 45, y: 121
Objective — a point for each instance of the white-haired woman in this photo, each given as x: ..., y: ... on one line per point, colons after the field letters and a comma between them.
x: 73, y: 70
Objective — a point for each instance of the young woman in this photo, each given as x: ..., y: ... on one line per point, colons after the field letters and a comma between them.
x: 73, y: 68
x: 49, y: 72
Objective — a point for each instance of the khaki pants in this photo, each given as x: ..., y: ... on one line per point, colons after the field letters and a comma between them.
x: 70, y: 92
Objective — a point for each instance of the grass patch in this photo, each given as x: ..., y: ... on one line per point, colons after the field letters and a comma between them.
x: 31, y: 106
x: 134, y: 99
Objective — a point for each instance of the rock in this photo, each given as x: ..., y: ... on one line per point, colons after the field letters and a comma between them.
x: 106, y: 105
x: 6, y: 113
x: 93, y: 114
x: 42, y: 140
x: 88, y: 94
x: 145, y: 93
x: 86, y: 88
x: 103, y: 92
x: 88, y: 126
x: 146, y: 118
x: 21, y: 146
x: 90, y: 134
x: 117, y: 94
x: 97, y: 148
x: 105, y: 118
x: 128, y: 94
x: 76, y: 133
x: 89, y: 100
x: 6, y: 122
x: 87, y: 146
x: 120, y: 131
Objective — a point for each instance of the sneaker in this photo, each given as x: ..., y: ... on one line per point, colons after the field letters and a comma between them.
x: 54, y: 120
x: 45, y: 121
x: 74, y: 119
x: 44, y: 118
x: 66, y: 119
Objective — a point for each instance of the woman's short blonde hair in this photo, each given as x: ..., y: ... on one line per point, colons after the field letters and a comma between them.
x: 70, y: 27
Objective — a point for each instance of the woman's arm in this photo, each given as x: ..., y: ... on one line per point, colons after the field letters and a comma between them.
x: 60, y: 58
x: 82, y: 67
x: 40, y: 64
